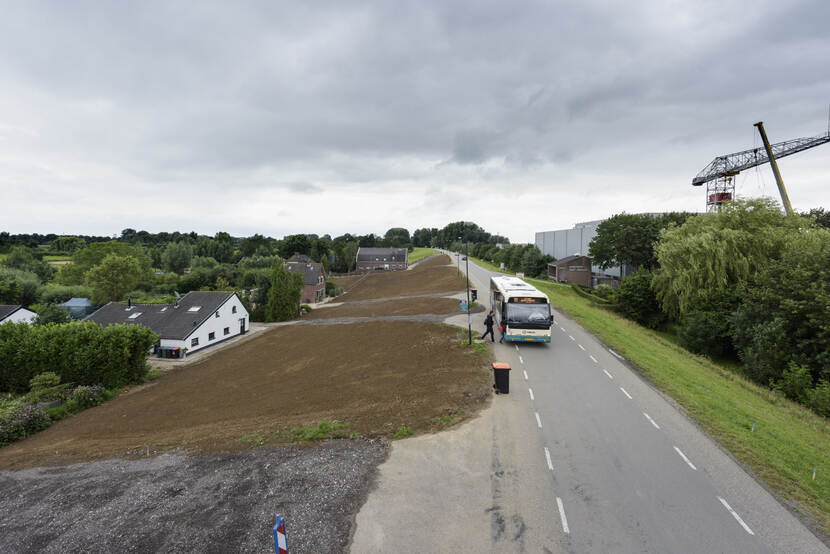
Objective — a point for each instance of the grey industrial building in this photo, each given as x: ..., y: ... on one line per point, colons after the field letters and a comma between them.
x: 570, y: 242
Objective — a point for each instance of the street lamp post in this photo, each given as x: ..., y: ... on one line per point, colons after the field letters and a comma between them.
x: 469, y: 318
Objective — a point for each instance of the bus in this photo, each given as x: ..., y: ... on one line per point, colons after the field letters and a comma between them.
x: 521, y: 308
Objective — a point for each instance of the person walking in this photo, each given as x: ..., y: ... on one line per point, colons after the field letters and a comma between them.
x: 488, y: 323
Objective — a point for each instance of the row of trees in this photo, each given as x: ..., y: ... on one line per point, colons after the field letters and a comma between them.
x: 747, y: 283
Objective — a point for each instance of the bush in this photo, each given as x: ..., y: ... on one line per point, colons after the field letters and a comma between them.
x: 82, y: 353
x: 22, y: 422
x: 795, y: 383
x: 44, y: 380
x: 606, y: 292
x: 819, y: 398
x: 637, y: 301
x: 86, y: 397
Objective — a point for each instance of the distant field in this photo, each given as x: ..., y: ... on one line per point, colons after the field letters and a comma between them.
x: 57, y: 258
x: 420, y: 253
x: 789, y: 441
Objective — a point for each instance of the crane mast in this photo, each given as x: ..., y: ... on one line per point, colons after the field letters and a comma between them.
x: 719, y: 175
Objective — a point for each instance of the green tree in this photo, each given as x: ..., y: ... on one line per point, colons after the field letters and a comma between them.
x: 177, y: 257
x: 636, y: 300
x: 85, y: 259
x: 397, y: 237
x: 18, y: 286
x: 113, y: 278
x: 820, y: 216
x: 719, y: 251
x: 253, y: 243
x: 67, y: 245
x: 51, y: 313
x: 284, y: 296
x: 784, y: 317
x: 23, y: 258
x: 630, y: 239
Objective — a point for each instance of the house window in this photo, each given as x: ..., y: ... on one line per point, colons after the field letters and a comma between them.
x: 217, y: 313
x: 211, y: 336
x: 227, y: 330
x: 194, y: 341
x: 233, y: 310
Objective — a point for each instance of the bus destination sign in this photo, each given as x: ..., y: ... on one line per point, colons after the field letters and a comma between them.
x: 528, y: 300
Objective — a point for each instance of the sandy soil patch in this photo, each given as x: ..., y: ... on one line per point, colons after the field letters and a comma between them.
x: 408, y: 306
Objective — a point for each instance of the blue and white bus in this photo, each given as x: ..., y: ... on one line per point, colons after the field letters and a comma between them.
x: 521, y: 308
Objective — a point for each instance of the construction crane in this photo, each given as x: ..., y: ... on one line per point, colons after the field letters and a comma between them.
x: 719, y: 175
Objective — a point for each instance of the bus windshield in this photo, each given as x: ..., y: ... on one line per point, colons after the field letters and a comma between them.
x: 536, y: 315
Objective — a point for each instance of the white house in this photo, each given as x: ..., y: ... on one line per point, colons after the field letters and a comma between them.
x: 198, y: 320
x: 16, y: 314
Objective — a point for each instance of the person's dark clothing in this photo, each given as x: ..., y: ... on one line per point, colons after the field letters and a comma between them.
x: 488, y: 323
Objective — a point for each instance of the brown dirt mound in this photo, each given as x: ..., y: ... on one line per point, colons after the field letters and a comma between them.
x: 346, y: 281
x: 443, y: 259
x: 407, y: 306
x: 392, y: 284
x: 405, y: 374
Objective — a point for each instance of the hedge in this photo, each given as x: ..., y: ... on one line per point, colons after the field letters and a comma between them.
x: 81, y: 353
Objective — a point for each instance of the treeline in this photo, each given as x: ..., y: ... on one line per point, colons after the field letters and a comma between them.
x: 747, y: 283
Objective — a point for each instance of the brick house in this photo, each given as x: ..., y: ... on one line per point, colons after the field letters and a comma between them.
x: 571, y: 269
x: 314, y: 278
x: 382, y: 259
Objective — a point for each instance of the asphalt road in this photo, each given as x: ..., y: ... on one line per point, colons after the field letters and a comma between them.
x: 628, y: 471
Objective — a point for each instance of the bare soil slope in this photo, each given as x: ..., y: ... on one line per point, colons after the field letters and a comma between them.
x: 432, y: 276
x: 373, y: 376
x: 408, y: 306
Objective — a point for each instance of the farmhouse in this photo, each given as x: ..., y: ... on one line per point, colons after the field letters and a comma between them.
x: 388, y: 259
x: 314, y: 278
x: 198, y: 320
x: 571, y: 269
x: 16, y: 314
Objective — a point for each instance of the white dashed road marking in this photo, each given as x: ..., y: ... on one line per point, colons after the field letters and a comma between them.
x: 648, y: 417
x: 685, y: 459
x: 582, y: 347
x: 736, y: 516
x: 615, y: 354
x: 538, y: 420
x: 562, y: 515
x: 547, y: 457
x: 530, y: 392
x: 521, y: 361
x: 625, y: 392
x: 572, y: 337
x: 608, y: 374
x: 593, y: 359
x: 525, y: 373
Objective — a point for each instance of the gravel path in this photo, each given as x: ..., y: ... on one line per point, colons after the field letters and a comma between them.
x: 172, y: 503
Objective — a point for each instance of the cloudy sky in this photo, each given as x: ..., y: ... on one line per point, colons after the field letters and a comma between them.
x: 333, y: 117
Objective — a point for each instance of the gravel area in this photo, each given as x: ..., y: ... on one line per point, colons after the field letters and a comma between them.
x: 207, y: 503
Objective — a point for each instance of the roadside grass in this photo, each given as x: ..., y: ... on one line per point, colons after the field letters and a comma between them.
x: 403, y: 432
x: 152, y: 375
x: 475, y: 347
x: 443, y: 421
x: 321, y: 431
x: 418, y: 254
x: 788, y: 441
x: 489, y: 266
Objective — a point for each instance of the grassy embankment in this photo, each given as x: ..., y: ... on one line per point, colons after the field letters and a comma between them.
x: 420, y: 253
x: 788, y: 441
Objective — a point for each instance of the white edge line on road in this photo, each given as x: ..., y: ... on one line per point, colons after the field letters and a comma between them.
x: 685, y: 459
x: 547, y: 457
x: 525, y: 373
x: 735, y: 515
x: 615, y: 354
x: 593, y: 359
x: 517, y: 347
x: 572, y: 337
x: 521, y: 361
x: 530, y: 391
x: 538, y: 420
x: 625, y: 392
x: 608, y: 374
x: 648, y: 417
x: 562, y: 515
x: 582, y: 347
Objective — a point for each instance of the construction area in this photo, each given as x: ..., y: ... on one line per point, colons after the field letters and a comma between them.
x: 212, y: 450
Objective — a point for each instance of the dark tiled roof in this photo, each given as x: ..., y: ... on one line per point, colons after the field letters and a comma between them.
x: 77, y: 303
x: 311, y: 271
x: 166, y: 320
x: 391, y: 254
x: 567, y: 259
x: 300, y: 258
x: 7, y: 309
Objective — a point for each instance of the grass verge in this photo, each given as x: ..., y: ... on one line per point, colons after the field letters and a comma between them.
x: 788, y: 441
x: 418, y: 254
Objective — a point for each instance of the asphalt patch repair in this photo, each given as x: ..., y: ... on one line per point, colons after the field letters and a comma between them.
x: 236, y: 414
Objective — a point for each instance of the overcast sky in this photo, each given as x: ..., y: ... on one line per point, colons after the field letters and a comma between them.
x: 334, y: 117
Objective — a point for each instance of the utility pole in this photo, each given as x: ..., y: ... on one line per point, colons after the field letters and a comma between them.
x: 469, y: 317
